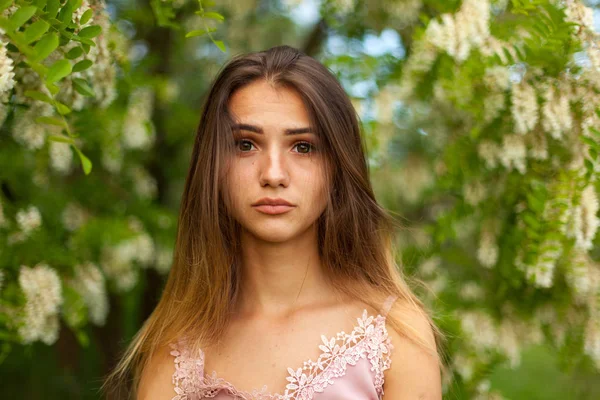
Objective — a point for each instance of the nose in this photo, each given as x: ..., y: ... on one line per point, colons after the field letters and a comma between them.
x: 273, y: 169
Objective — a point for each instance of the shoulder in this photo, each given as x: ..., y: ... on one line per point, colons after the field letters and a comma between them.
x: 156, y: 376
x: 414, y: 373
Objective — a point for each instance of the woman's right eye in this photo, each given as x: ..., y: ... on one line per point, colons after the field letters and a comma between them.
x: 244, y: 142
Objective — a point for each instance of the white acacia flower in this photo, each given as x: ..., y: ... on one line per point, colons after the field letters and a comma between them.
x: 524, y: 107
x: 556, y: 113
x: 480, y: 328
x: 471, y: 291
x: 458, y: 33
x: 585, y: 218
x: 542, y: 272
x: 592, y: 338
x: 73, y: 216
x: 90, y: 283
x: 29, y: 219
x: 474, y: 192
x: 43, y: 293
x: 138, y: 129
x: 144, y: 184
x: 61, y: 157
x: 7, y: 75
x: 489, y: 152
x: 514, y: 153
x: 509, y: 342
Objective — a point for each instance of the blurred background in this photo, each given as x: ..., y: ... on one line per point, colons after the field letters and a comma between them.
x: 483, y: 131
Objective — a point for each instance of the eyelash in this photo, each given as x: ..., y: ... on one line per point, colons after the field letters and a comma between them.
x: 313, y: 148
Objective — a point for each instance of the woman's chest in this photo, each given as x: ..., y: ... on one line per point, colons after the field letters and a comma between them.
x: 252, y: 355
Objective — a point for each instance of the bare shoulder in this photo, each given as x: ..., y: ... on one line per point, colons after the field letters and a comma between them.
x: 156, y: 378
x: 414, y: 373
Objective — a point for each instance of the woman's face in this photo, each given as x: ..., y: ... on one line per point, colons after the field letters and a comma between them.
x: 275, y: 158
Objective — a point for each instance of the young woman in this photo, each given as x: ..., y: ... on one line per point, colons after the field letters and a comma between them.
x: 283, y: 283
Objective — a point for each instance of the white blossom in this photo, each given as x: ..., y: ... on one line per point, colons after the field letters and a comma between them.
x: 514, y: 153
x: 90, y: 284
x: 29, y: 219
x: 480, y: 329
x: 524, y: 107
x: 73, y: 216
x: 7, y: 75
x: 26, y: 131
x: 457, y: 34
x: 164, y: 259
x: 474, y: 192
x: 144, y: 184
x: 471, y: 291
x: 43, y: 293
x: 117, y: 261
x: 490, y: 153
x: 556, y: 113
x: 592, y: 338
x: 138, y: 130
x: 61, y: 157
x: 509, y: 341
x: 542, y: 271
x: 585, y: 218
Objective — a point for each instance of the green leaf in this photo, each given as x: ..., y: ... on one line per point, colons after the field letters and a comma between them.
x: 74, y: 53
x: 589, y: 141
x: 52, y: 88
x: 37, y: 95
x: 66, y: 12
x: 39, y: 4
x: 83, y: 88
x: 86, y: 16
x: 85, y: 162
x: 45, y: 46
x: 199, y: 32
x: 58, y: 70
x: 4, y: 4
x: 212, y: 15
x: 52, y: 8
x: 60, y: 138
x: 36, y: 30
x: 21, y: 16
x: 220, y: 45
x: 90, y: 31
x: 82, y: 65
x: 595, y: 131
x: 51, y: 121
x: 62, y: 108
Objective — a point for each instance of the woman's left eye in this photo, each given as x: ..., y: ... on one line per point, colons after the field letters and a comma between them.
x: 309, y: 147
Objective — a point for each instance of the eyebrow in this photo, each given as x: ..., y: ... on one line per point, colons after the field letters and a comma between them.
x: 256, y: 129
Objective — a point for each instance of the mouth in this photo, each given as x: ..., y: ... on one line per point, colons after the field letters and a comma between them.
x: 273, y: 209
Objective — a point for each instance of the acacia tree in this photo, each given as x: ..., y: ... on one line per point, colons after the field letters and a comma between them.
x: 486, y: 136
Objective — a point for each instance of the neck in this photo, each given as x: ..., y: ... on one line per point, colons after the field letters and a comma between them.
x: 279, y: 278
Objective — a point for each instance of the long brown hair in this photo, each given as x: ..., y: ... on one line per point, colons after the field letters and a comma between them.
x: 355, y: 234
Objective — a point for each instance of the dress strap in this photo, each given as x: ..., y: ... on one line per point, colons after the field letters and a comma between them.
x: 388, y: 304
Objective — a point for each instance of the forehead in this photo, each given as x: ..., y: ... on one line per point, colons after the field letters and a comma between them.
x: 261, y: 103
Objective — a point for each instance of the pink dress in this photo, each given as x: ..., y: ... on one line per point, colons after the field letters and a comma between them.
x: 350, y: 366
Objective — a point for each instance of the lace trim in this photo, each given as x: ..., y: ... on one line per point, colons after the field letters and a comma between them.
x: 368, y: 339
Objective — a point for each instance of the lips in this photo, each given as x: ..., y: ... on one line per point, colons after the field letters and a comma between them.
x: 273, y: 206
x: 268, y: 201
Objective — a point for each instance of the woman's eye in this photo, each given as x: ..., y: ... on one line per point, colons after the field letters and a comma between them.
x: 242, y: 142
x: 305, y: 147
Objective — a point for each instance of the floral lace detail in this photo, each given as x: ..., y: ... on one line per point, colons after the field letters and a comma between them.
x: 368, y: 339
